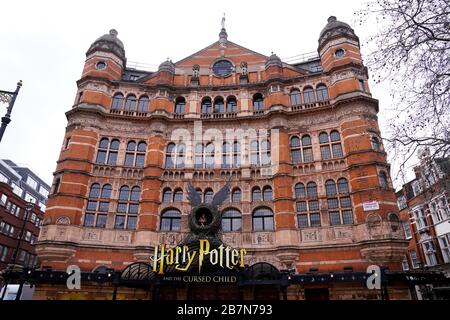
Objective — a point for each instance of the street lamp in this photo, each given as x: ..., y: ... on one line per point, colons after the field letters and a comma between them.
x: 9, y: 98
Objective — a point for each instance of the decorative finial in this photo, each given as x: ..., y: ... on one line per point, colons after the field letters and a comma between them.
x: 113, y: 32
x: 331, y: 19
x: 19, y: 84
x: 223, y: 21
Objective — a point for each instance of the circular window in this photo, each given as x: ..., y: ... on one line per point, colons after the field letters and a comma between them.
x: 222, y: 68
x: 100, y: 65
x: 339, y: 53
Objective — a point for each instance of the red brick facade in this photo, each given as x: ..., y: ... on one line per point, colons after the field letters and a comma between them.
x: 334, y: 118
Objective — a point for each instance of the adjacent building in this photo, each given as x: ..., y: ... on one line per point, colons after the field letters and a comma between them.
x: 19, y: 229
x: 300, y: 144
x: 425, y: 212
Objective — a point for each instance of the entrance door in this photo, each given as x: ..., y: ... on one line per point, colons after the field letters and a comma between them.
x: 317, y: 294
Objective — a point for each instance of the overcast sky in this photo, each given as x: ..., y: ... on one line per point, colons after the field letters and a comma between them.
x: 44, y: 43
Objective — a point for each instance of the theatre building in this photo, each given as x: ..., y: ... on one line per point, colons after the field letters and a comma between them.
x: 311, y: 199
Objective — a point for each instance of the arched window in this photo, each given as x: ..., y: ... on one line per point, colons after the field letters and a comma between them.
x: 135, y: 154
x: 343, y: 186
x: 296, y: 151
x: 339, y: 204
x: 258, y: 102
x: 296, y: 98
x: 375, y: 144
x: 178, y: 195
x: 330, y: 147
x: 117, y: 101
x: 301, y: 147
x: 231, y: 104
x: 97, y: 206
x: 308, y: 214
x: 180, y: 105
x: 208, y: 195
x: 127, y: 208
x: 130, y: 103
x: 143, y: 104
x: 383, y: 180
x: 300, y: 190
x: 236, y: 195
x: 263, y: 219
x: 322, y: 92
x: 167, y: 195
x: 311, y: 189
x: 256, y: 194
x: 170, y: 155
x: 267, y: 193
x: 330, y: 188
x: 198, y: 156
x: 308, y: 95
x: 107, y: 152
x: 236, y: 154
x: 219, y: 106
x: 209, y: 155
x: 206, y: 105
x: 171, y: 220
x: 231, y: 220
x: 106, y: 191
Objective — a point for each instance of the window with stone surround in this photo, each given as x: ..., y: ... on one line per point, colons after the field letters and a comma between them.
x: 219, y: 105
x: 107, y: 152
x: 171, y: 220
x: 97, y: 206
x: 130, y: 103
x: 206, y: 106
x: 262, y: 219
x: 117, y: 101
x: 258, y: 102
x: 322, y: 92
x: 296, y: 98
x: 135, y: 154
x: 127, y: 208
x: 180, y: 105
x: 339, y: 202
x: 175, y: 155
x: 445, y: 247
x: 236, y: 195
x: 167, y: 195
x: 439, y: 208
x: 231, y: 220
x: 301, y: 149
x: 308, y: 95
x: 143, y: 104
x: 330, y: 145
x: 260, y: 153
x: 231, y: 155
x: 231, y: 104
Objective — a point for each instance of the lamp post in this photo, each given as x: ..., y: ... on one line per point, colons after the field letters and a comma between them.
x: 9, y: 98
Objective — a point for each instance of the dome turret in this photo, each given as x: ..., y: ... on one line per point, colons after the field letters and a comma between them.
x: 108, y: 42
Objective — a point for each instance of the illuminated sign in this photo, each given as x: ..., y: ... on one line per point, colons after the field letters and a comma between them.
x: 182, y: 257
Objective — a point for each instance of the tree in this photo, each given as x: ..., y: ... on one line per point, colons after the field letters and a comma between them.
x: 411, y: 49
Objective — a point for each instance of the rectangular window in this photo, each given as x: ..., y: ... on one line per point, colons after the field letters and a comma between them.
x: 122, y: 208
x: 91, y: 206
x: 43, y: 191
x: 32, y: 183
x: 296, y: 156
x: 347, y: 217
x: 30, y: 198
x: 103, y: 207
x: 3, y: 178
x: 315, y: 219
x: 133, y: 208
x: 333, y: 203
x: 430, y: 253
x: 120, y: 222
x: 362, y: 87
x: 346, y: 202
x: 401, y: 202
x: 101, y: 157
x: 405, y: 264
x: 407, y: 229
x: 89, y: 220
x: 3, y: 199
x: 302, y: 220
x: 445, y: 247
x: 325, y: 152
x: 335, y: 218
x: 140, y: 160
x: 414, y: 260
x: 3, y: 253
x: 101, y: 221
x: 132, y: 222
x: 112, y: 158
x: 313, y: 205
x: 17, y: 190
x: 337, y: 150
x: 129, y: 159
x: 301, y: 206
x: 308, y: 155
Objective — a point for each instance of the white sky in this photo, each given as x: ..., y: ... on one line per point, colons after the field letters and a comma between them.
x: 43, y: 43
